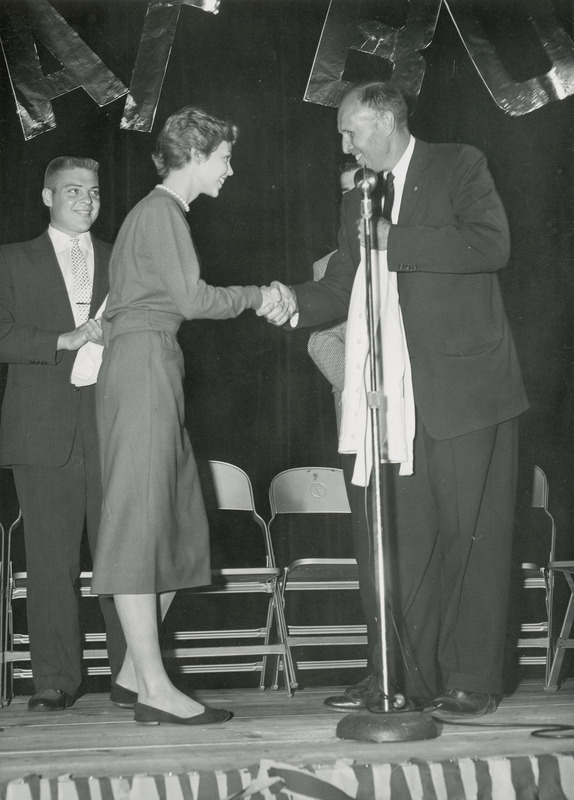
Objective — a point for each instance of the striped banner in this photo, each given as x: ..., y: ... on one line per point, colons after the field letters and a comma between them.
x: 510, y: 778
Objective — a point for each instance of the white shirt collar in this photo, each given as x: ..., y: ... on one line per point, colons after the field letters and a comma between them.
x: 401, y: 167
x: 60, y: 240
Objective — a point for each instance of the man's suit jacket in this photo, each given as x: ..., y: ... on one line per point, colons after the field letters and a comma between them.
x: 40, y: 407
x: 451, y: 239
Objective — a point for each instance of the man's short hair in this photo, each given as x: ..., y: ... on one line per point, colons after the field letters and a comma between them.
x: 380, y: 97
x: 62, y: 163
x: 188, y: 128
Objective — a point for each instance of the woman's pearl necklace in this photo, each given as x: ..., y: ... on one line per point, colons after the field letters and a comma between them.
x: 173, y: 194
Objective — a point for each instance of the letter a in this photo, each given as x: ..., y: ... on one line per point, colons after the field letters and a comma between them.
x: 33, y: 90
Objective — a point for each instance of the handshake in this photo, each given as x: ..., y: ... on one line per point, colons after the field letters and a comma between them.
x: 279, y: 303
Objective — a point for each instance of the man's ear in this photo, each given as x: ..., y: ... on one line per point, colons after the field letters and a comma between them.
x: 387, y: 120
x: 47, y: 197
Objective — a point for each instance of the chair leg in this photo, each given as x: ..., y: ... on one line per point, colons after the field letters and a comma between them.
x: 288, y: 665
x: 7, y: 681
x: 6, y: 624
x: 561, y: 646
x: 550, y: 646
x: 2, y: 599
x: 267, y: 642
x: 280, y: 626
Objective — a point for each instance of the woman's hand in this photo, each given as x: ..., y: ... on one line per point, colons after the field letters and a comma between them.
x: 271, y: 297
x: 284, y: 304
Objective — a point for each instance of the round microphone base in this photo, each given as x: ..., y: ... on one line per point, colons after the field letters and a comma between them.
x: 392, y: 726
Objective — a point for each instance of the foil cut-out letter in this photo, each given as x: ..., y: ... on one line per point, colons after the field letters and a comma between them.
x: 151, y: 65
x: 519, y: 97
x: 398, y: 49
x: 33, y: 90
x: 205, y: 5
x: 152, y: 59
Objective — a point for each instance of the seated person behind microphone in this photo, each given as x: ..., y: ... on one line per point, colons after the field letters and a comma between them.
x: 327, y: 345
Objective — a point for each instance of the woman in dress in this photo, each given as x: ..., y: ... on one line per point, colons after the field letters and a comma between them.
x: 153, y: 536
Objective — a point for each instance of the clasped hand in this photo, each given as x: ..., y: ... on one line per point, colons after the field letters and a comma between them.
x: 90, y: 331
x: 279, y: 303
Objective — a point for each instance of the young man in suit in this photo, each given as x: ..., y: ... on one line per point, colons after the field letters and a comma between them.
x: 450, y: 523
x: 50, y: 288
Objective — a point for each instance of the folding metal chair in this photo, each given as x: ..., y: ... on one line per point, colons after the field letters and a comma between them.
x: 319, y: 491
x: 565, y: 639
x: 16, y: 642
x: 6, y: 611
x: 234, y: 492
x: 540, y: 634
x: 555, y: 647
x: 536, y: 635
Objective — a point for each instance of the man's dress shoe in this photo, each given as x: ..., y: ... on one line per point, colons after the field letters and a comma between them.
x: 122, y: 697
x: 458, y: 704
x: 50, y: 700
x: 355, y: 697
x: 367, y: 695
x: 148, y: 715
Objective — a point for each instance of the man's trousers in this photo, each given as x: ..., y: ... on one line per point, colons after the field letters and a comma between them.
x: 447, y: 540
x: 56, y: 502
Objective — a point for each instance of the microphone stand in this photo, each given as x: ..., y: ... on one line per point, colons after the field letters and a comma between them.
x: 392, y: 723
x: 366, y: 183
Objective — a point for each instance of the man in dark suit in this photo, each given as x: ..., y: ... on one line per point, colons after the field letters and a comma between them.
x: 448, y: 527
x: 48, y: 428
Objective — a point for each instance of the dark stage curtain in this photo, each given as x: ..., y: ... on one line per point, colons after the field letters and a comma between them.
x: 253, y: 395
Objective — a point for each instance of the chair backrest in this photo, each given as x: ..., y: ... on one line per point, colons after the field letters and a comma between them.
x: 234, y: 492
x: 539, y: 489
x: 540, y: 493
x: 309, y: 490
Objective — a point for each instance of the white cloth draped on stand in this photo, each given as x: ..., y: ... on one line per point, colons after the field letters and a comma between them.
x: 397, y: 419
x: 88, y: 359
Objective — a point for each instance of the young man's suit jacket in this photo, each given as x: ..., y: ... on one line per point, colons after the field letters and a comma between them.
x: 40, y: 407
x: 451, y: 239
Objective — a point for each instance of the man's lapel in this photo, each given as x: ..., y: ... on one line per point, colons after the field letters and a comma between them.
x: 51, y: 279
x: 414, y: 183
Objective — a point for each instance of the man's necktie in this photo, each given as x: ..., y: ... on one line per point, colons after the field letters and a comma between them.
x: 82, y: 284
x: 389, y: 196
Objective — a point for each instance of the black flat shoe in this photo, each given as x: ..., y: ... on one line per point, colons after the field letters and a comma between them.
x: 458, y: 704
x: 148, y: 715
x: 50, y: 700
x: 122, y: 697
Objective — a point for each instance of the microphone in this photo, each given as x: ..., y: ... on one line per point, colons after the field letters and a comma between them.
x: 365, y: 180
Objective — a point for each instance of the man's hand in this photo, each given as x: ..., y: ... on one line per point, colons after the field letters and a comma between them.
x: 90, y: 331
x: 284, y: 309
x: 379, y: 236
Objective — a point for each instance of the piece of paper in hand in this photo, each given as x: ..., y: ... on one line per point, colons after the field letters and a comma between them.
x: 88, y: 359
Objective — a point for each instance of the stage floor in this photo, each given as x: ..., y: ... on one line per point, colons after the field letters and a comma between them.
x: 96, y: 739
